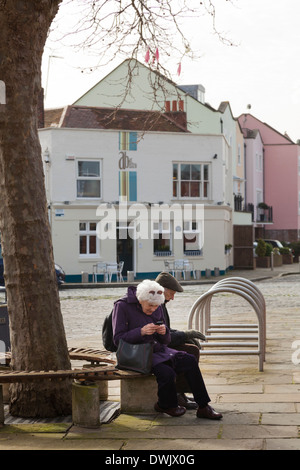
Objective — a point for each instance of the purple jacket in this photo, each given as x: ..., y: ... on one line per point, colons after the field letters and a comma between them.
x: 128, y: 319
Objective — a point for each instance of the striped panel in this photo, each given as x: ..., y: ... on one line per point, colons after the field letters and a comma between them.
x: 127, y: 140
x: 127, y: 186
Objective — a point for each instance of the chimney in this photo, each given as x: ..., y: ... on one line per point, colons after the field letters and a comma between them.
x: 167, y: 106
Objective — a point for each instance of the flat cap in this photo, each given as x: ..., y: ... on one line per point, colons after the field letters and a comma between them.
x: 168, y: 281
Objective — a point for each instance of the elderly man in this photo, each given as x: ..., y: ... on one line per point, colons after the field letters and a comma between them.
x: 181, y: 340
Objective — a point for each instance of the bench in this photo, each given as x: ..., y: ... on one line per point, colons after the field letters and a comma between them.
x: 85, y: 392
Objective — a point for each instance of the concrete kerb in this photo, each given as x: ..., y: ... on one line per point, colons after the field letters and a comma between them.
x: 255, y: 275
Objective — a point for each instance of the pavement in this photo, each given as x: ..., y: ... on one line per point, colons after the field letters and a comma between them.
x: 261, y: 410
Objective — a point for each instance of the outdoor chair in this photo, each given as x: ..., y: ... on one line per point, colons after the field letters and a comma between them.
x: 99, y: 269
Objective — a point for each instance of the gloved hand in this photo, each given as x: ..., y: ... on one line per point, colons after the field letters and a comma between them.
x: 191, y: 334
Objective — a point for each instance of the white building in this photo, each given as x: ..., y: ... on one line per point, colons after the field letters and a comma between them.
x: 119, y: 178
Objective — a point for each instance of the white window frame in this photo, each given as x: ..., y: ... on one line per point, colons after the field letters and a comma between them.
x: 89, y: 178
x: 162, y: 228
x: 85, y: 230
x: 192, y: 227
x: 259, y: 165
x: 202, y: 181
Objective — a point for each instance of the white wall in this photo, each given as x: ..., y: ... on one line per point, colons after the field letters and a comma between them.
x: 154, y: 157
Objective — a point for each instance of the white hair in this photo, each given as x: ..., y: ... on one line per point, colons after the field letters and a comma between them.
x: 151, y: 292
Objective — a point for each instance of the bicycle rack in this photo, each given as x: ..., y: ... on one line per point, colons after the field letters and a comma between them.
x: 218, y: 335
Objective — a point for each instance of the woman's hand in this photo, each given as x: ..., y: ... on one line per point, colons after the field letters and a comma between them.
x: 148, y: 329
x: 151, y: 328
x: 161, y: 329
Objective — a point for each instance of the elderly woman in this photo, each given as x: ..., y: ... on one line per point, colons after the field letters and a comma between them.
x: 138, y: 317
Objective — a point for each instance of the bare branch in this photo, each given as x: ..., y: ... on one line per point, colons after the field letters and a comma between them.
x: 129, y: 28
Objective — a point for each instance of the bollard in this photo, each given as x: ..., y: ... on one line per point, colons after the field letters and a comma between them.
x: 102, y: 384
x: 130, y: 276
x: 272, y: 261
x: 84, y: 277
x: 217, y: 272
x: 85, y: 405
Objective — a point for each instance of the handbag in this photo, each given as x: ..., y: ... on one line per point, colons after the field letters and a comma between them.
x: 136, y: 357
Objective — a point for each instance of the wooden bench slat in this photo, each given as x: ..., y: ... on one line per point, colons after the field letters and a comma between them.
x: 18, y: 376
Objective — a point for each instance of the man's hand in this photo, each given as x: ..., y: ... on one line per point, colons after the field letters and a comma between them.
x: 191, y: 334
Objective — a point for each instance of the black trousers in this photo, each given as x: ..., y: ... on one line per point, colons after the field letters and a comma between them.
x: 181, y: 383
x: 165, y: 374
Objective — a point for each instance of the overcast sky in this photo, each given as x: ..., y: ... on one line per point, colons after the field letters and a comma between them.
x: 261, y: 69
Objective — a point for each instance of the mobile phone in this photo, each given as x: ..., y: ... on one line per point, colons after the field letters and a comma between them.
x: 159, y: 322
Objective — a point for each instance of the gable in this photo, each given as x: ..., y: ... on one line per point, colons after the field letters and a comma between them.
x: 268, y: 134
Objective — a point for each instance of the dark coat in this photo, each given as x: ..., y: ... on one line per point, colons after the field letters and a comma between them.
x: 177, y: 337
x: 128, y: 318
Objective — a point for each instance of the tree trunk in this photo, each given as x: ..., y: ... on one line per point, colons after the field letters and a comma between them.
x: 38, y: 339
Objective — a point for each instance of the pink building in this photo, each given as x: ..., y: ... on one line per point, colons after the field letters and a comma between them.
x: 281, y: 188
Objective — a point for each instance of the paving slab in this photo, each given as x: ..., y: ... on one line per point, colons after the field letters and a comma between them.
x: 281, y: 418
x: 241, y: 431
x: 194, y: 445
x: 282, y: 444
x: 56, y: 442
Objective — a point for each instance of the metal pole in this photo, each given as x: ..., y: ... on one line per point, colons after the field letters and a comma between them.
x: 272, y: 261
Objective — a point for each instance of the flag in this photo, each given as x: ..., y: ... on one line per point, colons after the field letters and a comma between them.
x: 147, y: 56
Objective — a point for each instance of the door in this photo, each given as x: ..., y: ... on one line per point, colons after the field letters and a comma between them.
x: 243, y: 246
x: 125, y: 249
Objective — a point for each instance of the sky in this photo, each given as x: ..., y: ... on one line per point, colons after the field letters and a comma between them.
x: 261, y: 69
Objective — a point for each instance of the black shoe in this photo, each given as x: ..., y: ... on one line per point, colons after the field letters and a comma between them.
x: 183, y: 400
x: 175, y: 412
x: 208, y: 413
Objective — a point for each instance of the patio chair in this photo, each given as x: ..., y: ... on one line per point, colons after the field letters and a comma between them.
x: 188, y: 266
x: 115, y: 268
x: 169, y: 267
x: 99, y: 269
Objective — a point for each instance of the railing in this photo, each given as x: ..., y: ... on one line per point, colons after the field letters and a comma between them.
x: 162, y: 253
x: 264, y: 215
x: 219, y: 337
x: 183, y: 267
x: 259, y: 216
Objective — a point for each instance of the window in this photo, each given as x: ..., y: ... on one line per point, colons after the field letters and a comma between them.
x: 192, y: 238
x: 259, y: 164
x: 239, y: 155
x: 161, y: 233
x: 191, y: 180
x: 88, y: 245
x: 88, y: 179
